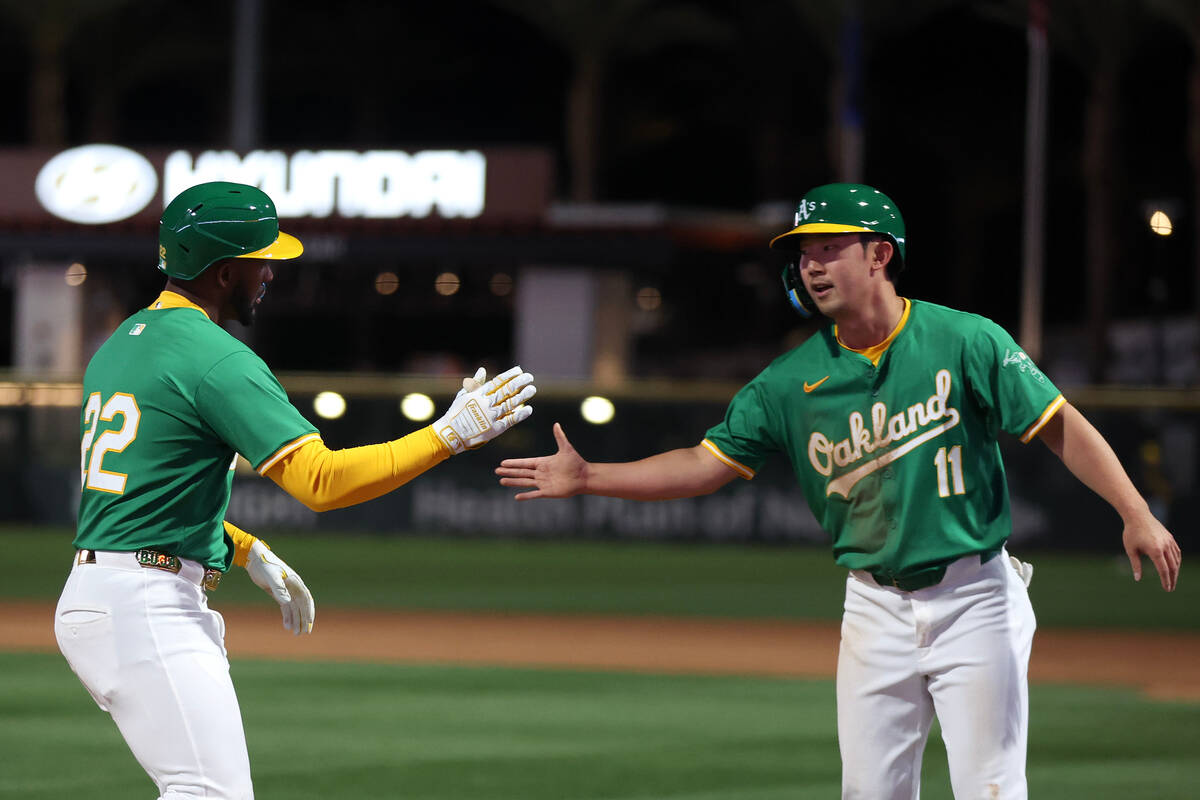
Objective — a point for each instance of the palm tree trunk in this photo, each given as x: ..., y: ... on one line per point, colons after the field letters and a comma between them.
x: 1193, y: 148
x: 583, y: 115
x: 1098, y: 167
x: 47, y: 95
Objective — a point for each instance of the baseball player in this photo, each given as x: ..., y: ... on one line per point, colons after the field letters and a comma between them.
x: 889, y: 415
x: 168, y: 402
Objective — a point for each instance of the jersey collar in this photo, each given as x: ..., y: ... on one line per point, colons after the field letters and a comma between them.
x: 173, y: 300
x: 876, y: 351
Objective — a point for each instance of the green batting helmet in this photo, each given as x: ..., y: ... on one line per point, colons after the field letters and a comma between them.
x: 217, y: 220
x: 839, y: 208
x: 845, y: 208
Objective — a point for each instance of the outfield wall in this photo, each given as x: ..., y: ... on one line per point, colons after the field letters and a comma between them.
x: 1154, y: 433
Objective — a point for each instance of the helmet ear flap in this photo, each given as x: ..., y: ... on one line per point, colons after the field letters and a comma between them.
x: 793, y: 287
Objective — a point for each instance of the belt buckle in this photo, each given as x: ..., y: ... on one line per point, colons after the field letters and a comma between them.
x: 154, y: 559
x: 212, y: 579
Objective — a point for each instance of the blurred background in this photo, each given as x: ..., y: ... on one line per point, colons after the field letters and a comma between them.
x: 588, y: 188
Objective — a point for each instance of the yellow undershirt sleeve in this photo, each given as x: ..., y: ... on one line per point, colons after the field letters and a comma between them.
x: 325, y: 479
x: 242, y: 542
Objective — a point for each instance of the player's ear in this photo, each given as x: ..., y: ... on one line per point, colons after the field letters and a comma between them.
x: 223, y: 272
x: 884, y: 250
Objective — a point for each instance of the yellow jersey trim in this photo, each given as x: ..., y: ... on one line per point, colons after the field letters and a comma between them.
x: 1050, y: 411
x: 173, y: 300
x: 876, y: 351
x: 283, y: 451
x: 736, y: 466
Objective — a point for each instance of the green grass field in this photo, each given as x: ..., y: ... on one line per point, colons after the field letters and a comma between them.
x: 364, y: 731
x: 334, y: 730
x: 564, y: 576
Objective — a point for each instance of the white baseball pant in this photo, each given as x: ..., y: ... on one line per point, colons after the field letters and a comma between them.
x: 959, y: 649
x: 151, y: 653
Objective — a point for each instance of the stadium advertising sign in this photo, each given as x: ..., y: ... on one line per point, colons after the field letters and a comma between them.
x: 377, y: 184
x: 99, y: 184
x: 96, y: 184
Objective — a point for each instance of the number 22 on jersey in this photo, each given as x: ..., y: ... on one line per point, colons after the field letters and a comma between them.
x: 92, y: 474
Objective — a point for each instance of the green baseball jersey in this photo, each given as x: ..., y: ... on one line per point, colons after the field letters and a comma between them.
x: 898, y: 459
x: 167, y: 402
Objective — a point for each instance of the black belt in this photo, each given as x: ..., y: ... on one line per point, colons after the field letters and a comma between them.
x: 910, y: 583
x: 924, y: 578
x: 156, y: 559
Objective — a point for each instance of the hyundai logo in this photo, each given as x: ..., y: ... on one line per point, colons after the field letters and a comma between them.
x: 96, y: 183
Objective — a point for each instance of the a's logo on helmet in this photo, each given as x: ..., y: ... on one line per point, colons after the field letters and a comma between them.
x: 96, y: 183
x: 805, y: 208
x: 162, y: 257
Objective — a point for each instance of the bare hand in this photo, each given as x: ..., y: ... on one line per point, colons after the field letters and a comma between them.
x: 560, y: 475
x: 1146, y: 536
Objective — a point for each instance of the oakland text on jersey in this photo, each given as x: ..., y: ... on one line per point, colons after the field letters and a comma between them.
x: 913, y: 422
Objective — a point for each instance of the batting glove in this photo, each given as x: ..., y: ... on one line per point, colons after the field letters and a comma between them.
x: 277, y: 579
x: 482, y: 411
x: 1023, y: 568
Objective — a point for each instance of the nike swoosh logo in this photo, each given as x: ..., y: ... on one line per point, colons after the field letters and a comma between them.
x: 808, y: 387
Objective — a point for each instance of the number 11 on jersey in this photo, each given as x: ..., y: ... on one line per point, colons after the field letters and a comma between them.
x: 949, y: 467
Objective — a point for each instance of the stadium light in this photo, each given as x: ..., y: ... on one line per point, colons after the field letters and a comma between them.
x: 597, y: 410
x: 329, y: 405
x: 417, y: 407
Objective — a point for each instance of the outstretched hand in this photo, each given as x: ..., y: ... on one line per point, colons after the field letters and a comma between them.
x: 563, y: 474
x: 1148, y: 537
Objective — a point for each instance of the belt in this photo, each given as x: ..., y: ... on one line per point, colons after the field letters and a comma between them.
x: 156, y: 559
x: 923, y: 579
x: 910, y: 583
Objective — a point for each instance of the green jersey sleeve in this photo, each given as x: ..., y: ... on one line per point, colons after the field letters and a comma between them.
x: 748, y: 434
x: 1007, y: 384
x: 242, y: 401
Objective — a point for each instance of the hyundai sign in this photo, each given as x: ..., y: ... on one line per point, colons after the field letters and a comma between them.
x: 102, y: 183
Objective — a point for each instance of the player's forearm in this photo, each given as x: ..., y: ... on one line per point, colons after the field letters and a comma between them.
x: 1090, y: 459
x: 687, y: 472
x: 325, y: 479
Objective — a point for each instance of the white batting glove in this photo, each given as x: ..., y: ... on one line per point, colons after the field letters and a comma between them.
x: 1023, y: 568
x: 277, y: 579
x: 482, y: 411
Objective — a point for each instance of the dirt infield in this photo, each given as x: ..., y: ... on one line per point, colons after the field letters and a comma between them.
x: 1160, y: 664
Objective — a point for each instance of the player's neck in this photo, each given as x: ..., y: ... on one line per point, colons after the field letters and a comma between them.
x: 209, y: 307
x: 871, y: 323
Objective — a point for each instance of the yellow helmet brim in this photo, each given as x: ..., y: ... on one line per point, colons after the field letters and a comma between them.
x: 820, y: 227
x: 284, y: 247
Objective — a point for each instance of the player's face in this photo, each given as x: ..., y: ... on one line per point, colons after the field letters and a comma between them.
x: 250, y: 279
x: 836, y: 270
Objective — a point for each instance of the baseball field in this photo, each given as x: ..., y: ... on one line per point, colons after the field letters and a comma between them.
x: 442, y: 669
